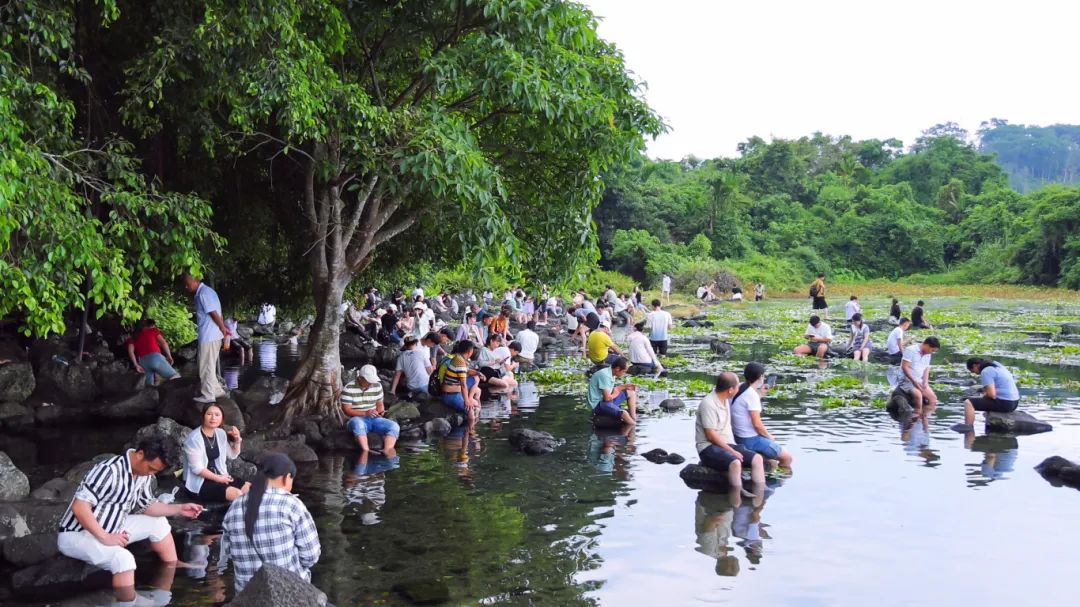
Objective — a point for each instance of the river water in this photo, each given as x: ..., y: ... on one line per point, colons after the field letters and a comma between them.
x: 873, y: 514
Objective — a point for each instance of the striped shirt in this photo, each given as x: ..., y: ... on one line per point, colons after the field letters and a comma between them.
x: 285, y: 536
x: 360, y: 399
x: 113, y: 492
x: 454, y: 372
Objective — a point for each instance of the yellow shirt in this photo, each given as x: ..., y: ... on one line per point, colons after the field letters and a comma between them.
x: 599, y: 342
x: 820, y: 287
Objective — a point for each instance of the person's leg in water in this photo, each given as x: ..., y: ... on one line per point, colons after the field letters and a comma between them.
x: 822, y: 349
x: 803, y: 350
x: 631, y: 403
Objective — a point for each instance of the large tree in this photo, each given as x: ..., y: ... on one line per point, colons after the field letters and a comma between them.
x: 485, y: 121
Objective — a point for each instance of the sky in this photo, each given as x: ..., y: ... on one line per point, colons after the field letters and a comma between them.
x: 722, y: 71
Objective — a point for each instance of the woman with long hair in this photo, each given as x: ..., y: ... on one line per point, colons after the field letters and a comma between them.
x: 271, y: 525
x: 207, y: 450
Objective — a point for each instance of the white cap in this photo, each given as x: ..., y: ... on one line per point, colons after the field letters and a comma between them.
x: 605, y: 323
x: 369, y: 374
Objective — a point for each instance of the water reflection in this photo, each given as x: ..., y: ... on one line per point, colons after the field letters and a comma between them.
x: 719, y: 517
x: 267, y: 356
x: 999, y: 457
x: 198, y: 550
x: 528, y: 395
x: 458, y: 446
x: 232, y: 378
x: 365, y: 485
x: 604, y: 450
x: 915, y: 434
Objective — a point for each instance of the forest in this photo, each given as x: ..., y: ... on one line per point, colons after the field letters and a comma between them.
x: 942, y: 210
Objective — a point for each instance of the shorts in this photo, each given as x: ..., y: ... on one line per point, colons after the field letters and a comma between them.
x: 769, y: 449
x: 82, y: 546
x: 813, y: 345
x: 360, y: 426
x: 491, y: 373
x: 995, y: 405
x: 819, y: 304
x: 215, y: 492
x: 906, y: 385
x: 611, y: 408
x: 758, y: 298
x: 719, y: 459
x: 660, y: 347
x: 608, y: 360
x: 455, y: 401
x: 155, y: 364
x: 896, y: 359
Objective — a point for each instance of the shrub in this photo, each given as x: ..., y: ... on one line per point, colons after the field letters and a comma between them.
x: 173, y: 317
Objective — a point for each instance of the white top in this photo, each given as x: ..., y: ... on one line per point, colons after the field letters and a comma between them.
x: 895, y: 341
x: 851, y: 308
x: 666, y: 283
x: 268, y: 314
x: 659, y: 321
x: 641, y: 350
x: 529, y: 341
x: 736, y: 297
x: 741, y: 424
x: 413, y: 364
x: 417, y: 292
x: 822, y: 330
x: 919, y: 362
x: 195, y: 460
x: 491, y: 358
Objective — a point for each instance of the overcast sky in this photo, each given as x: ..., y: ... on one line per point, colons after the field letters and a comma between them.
x: 721, y: 71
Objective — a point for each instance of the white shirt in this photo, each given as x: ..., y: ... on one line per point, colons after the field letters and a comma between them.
x: 529, y: 341
x: 736, y: 297
x: 666, y: 283
x: 822, y: 330
x: 268, y: 314
x: 641, y: 350
x: 417, y: 292
x: 659, y: 321
x: 851, y: 308
x: 895, y: 342
x: 919, y: 362
x: 741, y: 423
x: 413, y: 364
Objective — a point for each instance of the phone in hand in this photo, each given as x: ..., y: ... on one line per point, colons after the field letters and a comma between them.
x: 771, y: 380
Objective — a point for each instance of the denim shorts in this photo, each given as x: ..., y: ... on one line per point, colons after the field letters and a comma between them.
x: 360, y: 426
x: 155, y: 364
x: 454, y: 400
x: 769, y: 449
x: 611, y: 408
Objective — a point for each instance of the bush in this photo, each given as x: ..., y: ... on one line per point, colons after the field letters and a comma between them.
x: 776, y: 273
x: 173, y: 318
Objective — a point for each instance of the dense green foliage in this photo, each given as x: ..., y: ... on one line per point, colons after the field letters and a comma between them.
x: 1034, y: 156
x: 786, y: 209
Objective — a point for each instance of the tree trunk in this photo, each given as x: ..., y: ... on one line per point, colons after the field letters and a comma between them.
x: 315, y: 388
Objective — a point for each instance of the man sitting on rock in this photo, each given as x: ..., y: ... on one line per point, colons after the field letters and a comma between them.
x: 362, y: 404
x: 715, y: 441
x: 818, y: 335
x: 895, y: 342
x: 601, y: 348
x: 114, y: 506
x: 414, y: 365
x: 999, y: 391
x: 916, y: 375
x: 610, y: 400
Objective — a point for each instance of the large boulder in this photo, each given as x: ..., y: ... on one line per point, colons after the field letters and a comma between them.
x: 1016, y: 422
x: 14, y: 415
x: 701, y: 477
x: 672, y: 404
x: 402, y: 412
x: 140, y: 405
x: 118, y: 377
x: 76, y: 473
x: 57, y: 578
x: 168, y: 429
x: 265, y: 390
x: 29, y: 517
x: 177, y: 400
x: 900, y: 406
x: 74, y: 380
x: 533, y: 442
x: 294, y: 446
x: 721, y: 347
x: 356, y: 348
x: 16, y: 381
x: 241, y: 469
x: 13, y: 483
x: 272, y: 585
x: 1060, y: 471
x: 30, y: 549
x: 57, y: 490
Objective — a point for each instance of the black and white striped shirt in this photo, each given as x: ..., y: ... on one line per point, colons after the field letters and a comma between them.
x: 113, y: 492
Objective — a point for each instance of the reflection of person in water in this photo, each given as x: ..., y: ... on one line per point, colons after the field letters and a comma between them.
x: 365, y: 486
x: 747, y: 526
x: 713, y: 517
x: 603, y: 452
x: 198, y: 550
x: 456, y: 447
x: 915, y: 433
x: 999, y: 456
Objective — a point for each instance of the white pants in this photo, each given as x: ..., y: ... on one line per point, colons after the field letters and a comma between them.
x: 82, y: 546
x: 209, y: 351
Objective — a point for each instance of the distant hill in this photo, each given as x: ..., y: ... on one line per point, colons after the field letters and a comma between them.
x: 1033, y: 156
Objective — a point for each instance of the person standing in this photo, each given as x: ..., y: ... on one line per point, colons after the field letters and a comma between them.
x: 665, y: 287
x: 817, y: 294
x: 851, y: 308
x: 642, y: 354
x: 759, y: 291
x: 659, y: 322
x: 211, y: 331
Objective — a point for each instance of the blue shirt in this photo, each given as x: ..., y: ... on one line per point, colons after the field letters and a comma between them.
x: 600, y: 381
x: 1003, y: 382
x: 206, y: 301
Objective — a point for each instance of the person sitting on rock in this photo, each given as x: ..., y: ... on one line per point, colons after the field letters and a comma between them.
x: 715, y: 441
x: 530, y: 341
x: 642, y: 354
x: 271, y: 525
x: 746, y: 422
x: 149, y: 352
x: 999, y: 391
x: 496, y: 364
x: 362, y: 404
x: 915, y: 367
x: 918, y: 317
x: 894, y: 344
x: 443, y: 345
x: 601, y: 348
x: 414, y: 365
x: 207, y: 450
x: 894, y: 312
x: 818, y: 335
x: 501, y: 324
x: 859, y: 346
x: 460, y: 384
x: 610, y: 400
x: 101, y: 522
x: 243, y: 347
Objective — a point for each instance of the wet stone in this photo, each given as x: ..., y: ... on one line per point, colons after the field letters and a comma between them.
x: 423, y: 592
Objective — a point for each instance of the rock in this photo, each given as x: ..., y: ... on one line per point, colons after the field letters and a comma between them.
x: 702, y: 477
x: 603, y: 421
x: 402, y: 412
x: 436, y: 428
x: 76, y: 473
x: 272, y: 585
x: 265, y: 390
x: 58, y: 490
x: 242, y: 469
x: 285, y: 327
x: 746, y: 324
x: 675, y: 458
x: 672, y: 404
x: 14, y: 415
x: 28, y: 517
x: 58, y: 578
x: 231, y: 414
x: 30, y: 549
x: 356, y: 348
x: 177, y: 400
x: 659, y: 456
x: 1016, y: 422
x: 412, y: 433
x: 117, y: 377
x: 899, y: 406
x: 721, y: 347
x: 423, y: 592
x: 643, y: 370
x: 1070, y: 328
x: 16, y: 381
x: 172, y: 431
x: 262, y: 330
x: 691, y: 324
x: 13, y: 483
x: 186, y: 353
x: 75, y: 381
x: 245, y: 332
x: 294, y: 446
x: 533, y: 442
x: 1060, y: 471
x: 143, y: 404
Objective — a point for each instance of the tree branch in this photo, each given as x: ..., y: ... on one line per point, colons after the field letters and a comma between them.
x: 361, y: 203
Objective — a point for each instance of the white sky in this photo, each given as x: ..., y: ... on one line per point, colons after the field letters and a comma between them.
x: 722, y: 71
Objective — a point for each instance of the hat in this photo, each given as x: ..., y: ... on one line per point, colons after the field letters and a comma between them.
x: 419, y: 306
x: 605, y: 323
x: 380, y: 312
x: 368, y: 374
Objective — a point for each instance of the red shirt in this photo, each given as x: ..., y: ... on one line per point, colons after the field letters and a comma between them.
x: 146, y: 342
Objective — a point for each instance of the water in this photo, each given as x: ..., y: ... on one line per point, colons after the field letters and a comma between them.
x: 874, y: 513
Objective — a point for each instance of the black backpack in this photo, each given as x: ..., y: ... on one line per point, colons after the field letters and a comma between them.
x: 813, y: 291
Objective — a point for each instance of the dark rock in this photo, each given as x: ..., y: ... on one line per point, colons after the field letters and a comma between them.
x: 423, y: 592
x: 170, y: 430
x: 30, y: 549
x: 1060, y: 471
x: 46, y: 414
x: 188, y: 352
x: 533, y: 442
x: 691, y: 324
x: 746, y: 324
x: 603, y: 421
x: 672, y: 404
x: 721, y: 347
x: 900, y: 406
x: 76, y: 473
x: 75, y: 381
x: 402, y: 412
x: 656, y: 456
x: 702, y: 477
x: 16, y: 381
x: 140, y: 405
x: 413, y: 433
x: 231, y: 414
x: 701, y: 339
x: 1016, y: 422
x: 272, y: 585
x: 29, y: 517
x: 675, y: 458
x: 57, y: 578
x: 262, y: 330
x: 265, y: 390
x: 294, y: 446
x: 177, y: 400
x: 14, y: 415
x: 643, y: 370
x: 245, y: 331
x: 13, y: 483
x: 58, y: 490
x: 118, y: 377
x: 241, y: 469
x: 437, y: 427
x: 1070, y: 328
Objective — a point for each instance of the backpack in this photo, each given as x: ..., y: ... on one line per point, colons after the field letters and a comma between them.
x: 813, y: 290
x: 436, y: 380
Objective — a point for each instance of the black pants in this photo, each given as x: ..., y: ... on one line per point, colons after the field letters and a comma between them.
x: 995, y: 405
